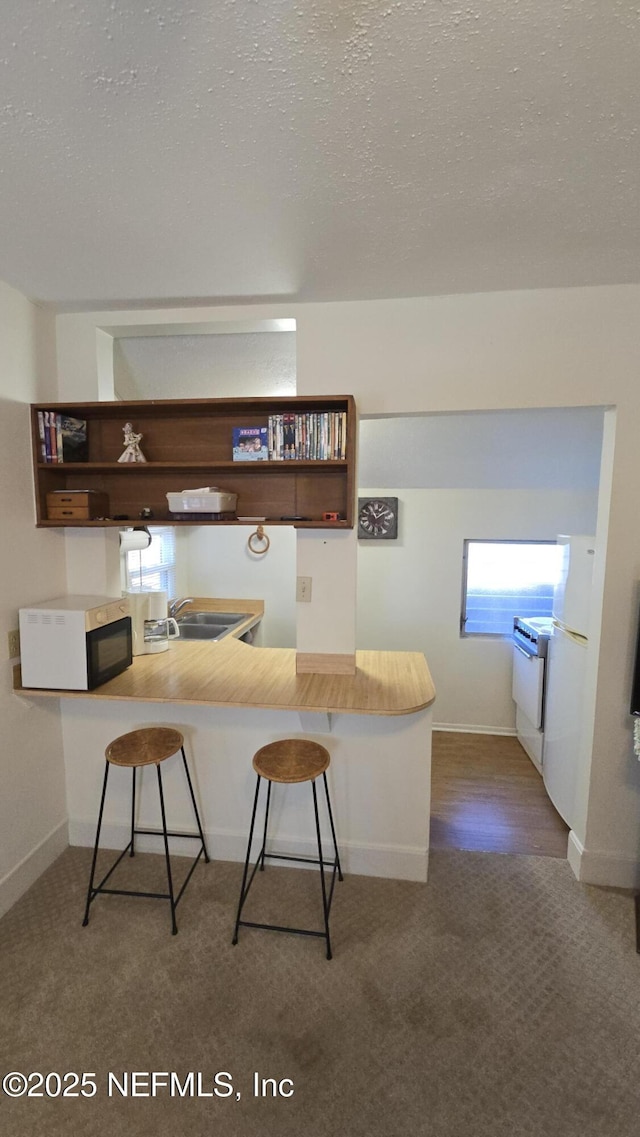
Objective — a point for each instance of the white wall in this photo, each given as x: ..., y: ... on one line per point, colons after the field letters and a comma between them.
x: 217, y: 562
x: 556, y: 448
x: 409, y: 590
x: 206, y: 366
x: 489, y: 351
x: 33, y: 826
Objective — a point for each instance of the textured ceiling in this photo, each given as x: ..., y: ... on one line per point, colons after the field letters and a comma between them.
x: 232, y: 149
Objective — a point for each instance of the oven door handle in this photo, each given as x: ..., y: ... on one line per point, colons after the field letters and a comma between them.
x: 526, y: 654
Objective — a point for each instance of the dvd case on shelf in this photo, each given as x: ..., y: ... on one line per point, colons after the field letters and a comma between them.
x: 250, y: 444
x: 315, y: 436
x: 62, y: 438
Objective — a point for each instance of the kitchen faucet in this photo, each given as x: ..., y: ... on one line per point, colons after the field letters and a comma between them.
x: 176, y: 605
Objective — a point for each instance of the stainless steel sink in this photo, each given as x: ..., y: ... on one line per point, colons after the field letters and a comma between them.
x: 208, y: 625
x: 203, y: 631
x: 226, y: 619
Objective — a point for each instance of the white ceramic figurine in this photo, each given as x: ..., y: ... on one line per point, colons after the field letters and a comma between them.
x: 132, y: 451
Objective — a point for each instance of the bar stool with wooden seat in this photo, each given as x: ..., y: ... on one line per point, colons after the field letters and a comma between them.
x: 291, y: 760
x: 146, y: 747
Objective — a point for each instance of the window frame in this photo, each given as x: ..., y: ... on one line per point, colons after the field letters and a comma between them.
x: 465, y: 565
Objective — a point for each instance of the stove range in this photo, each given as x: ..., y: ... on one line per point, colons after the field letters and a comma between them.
x: 531, y: 634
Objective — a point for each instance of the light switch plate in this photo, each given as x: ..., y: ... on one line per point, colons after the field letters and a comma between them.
x: 303, y: 589
x: 13, y: 640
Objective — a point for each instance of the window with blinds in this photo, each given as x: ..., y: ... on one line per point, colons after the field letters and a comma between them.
x: 154, y: 567
x: 503, y: 579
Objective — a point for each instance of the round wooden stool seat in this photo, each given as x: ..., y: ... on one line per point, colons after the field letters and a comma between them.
x: 144, y: 747
x: 291, y: 760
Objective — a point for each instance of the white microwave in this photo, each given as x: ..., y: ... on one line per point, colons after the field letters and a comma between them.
x: 75, y: 643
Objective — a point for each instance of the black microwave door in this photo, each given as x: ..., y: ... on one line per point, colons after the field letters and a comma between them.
x: 109, y: 651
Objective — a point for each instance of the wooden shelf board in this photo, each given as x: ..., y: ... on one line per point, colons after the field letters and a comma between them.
x: 137, y: 522
x: 180, y: 408
x: 163, y: 467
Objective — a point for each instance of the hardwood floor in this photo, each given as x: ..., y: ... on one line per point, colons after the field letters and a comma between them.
x: 487, y: 795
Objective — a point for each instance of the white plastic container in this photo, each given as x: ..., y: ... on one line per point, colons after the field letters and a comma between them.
x: 208, y: 500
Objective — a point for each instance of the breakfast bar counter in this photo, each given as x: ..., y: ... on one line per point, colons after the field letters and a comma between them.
x: 229, y: 698
x: 235, y: 674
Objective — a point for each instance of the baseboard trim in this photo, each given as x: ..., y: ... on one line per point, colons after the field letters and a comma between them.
x: 604, y: 869
x: 465, y: 728
x: 575, y: 853
x: 19, y: 879
x: 396, y: 862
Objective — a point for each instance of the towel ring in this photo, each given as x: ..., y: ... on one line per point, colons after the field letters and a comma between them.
x: 261, y: 536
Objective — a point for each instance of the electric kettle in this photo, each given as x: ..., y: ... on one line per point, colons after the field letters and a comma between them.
x: 152, y: 627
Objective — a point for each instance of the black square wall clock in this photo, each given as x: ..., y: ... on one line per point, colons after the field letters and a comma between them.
x: 377, y: 518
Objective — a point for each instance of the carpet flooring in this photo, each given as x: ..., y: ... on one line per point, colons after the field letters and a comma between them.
x: 502, y: 998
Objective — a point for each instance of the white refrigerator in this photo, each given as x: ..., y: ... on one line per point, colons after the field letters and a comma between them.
x: 565, y: 675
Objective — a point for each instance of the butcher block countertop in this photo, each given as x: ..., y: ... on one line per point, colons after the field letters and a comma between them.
x: 230, y: 673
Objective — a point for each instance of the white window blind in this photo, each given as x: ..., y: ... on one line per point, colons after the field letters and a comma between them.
x: 155, y: 566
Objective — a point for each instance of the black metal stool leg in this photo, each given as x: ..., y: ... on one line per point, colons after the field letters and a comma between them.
x: 266, y: 824
x: 133, y: 810
x: 195, y: 807
x: 244, y: 890
x: 95, y: 847
x: 174, y: 926
x: 333, y: 832
x: 155, y: 745
x: 322, y: 880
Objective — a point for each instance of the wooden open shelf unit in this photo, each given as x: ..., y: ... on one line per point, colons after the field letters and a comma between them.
x: 188, y: 444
